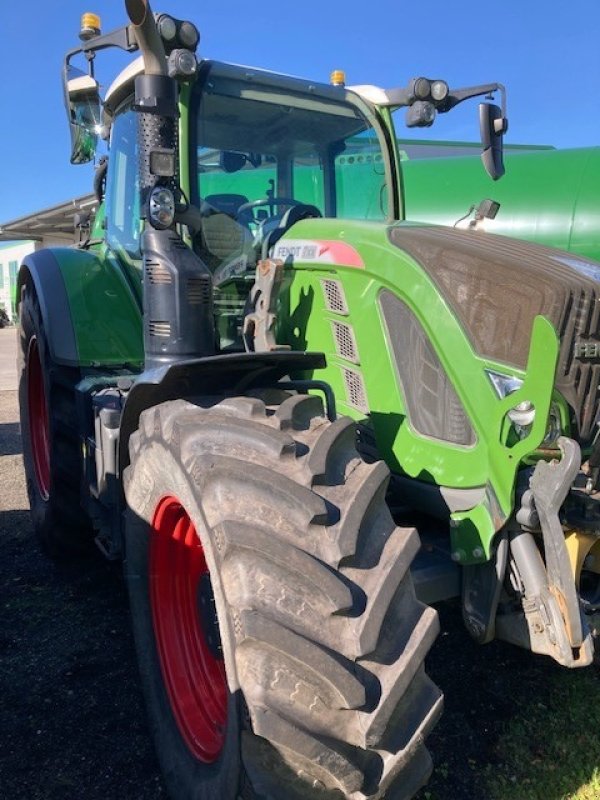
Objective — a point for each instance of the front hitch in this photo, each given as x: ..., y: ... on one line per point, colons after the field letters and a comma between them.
x: 554, y: 622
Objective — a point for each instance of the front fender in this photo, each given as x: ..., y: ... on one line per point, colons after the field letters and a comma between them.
x: 90, y: 312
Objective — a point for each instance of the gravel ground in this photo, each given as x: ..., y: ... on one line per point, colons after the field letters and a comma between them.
x: 72, y: 723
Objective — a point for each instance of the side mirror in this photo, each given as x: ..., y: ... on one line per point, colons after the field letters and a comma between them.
x: 492, y: 126
x: 82, y: 100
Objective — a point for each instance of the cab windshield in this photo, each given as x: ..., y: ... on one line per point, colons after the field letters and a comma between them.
x: 267, y: 157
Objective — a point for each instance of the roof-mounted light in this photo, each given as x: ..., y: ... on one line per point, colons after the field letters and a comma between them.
x: 439, y: 90
x: 189, y: 36
x: 177, y: 33
x: 338, y: 77
x: 167, y: 28
x: 421, y: 88
x: 90, y: 26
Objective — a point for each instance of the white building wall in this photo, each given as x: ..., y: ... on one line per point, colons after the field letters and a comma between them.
x: 11, y: 255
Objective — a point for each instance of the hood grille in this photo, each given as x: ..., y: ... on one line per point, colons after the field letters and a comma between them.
x: 496, y: 286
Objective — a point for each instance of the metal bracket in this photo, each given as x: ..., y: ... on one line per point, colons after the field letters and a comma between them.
x: 550, y: 484
x: 551, y: 603
x: 481, y: 589
x: 259, y: 323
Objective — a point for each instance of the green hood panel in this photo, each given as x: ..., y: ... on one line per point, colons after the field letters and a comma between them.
x: 496, y: 287
x: 332, y: 285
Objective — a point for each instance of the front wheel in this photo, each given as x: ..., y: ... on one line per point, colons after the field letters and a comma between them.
x: 51, y: 445
x: 280, y: 642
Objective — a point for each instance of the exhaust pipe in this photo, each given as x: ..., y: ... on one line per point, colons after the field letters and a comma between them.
x: 147, y: 36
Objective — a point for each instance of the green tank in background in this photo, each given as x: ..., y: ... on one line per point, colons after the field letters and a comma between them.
x: 546, y: 196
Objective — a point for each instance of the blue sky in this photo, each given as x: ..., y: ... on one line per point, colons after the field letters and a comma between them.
x: 547, y: 54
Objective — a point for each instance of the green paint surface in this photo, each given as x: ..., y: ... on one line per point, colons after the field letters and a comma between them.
x: 494, y: 459
x: 105, y: 312
x: 549, y: 197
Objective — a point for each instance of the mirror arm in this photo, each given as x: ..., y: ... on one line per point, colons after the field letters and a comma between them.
x: 398, y: 98
x: 123, y: 38
x: 457, y: 96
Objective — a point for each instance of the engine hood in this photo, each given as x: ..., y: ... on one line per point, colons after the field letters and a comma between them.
x: 496, y: 286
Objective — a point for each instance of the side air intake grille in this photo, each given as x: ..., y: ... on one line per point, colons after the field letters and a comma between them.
x: 159, y: 327
x: 198, y: 291
x: 157, y: 273
x: 355, y: 390
x: 345, y: 344
x: 335, y: 299
x: 433, y: 406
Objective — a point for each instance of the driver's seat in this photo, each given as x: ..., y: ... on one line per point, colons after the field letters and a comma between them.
x: 221, y: 236
x: 291, y: 217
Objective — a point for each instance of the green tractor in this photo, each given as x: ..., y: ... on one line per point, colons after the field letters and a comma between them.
x: 217, y: 384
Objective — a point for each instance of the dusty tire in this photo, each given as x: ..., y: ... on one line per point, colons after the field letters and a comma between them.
x: 322, y: 637
x: 51, y: 450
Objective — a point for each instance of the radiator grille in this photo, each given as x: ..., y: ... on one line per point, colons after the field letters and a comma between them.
x: 355, y: 390
x: 578, y: 378
x: 335, y: 299
x: 345, y: 343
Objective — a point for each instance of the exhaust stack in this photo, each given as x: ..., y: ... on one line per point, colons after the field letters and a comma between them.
x: 178, y: 297
x: 147, y: 36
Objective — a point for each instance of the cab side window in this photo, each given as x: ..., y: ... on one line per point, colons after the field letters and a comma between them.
x: 123, y: 196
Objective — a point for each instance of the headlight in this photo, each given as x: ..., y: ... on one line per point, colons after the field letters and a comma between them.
x: 161, y: 208
x: 182, y: 64
x: 523, y: 413
x: 167, y: 28
x: 439, y: 90
x: 189, y: 35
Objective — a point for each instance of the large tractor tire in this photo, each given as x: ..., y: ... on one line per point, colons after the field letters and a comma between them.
x: 280, y: 642
x: 51, y: 449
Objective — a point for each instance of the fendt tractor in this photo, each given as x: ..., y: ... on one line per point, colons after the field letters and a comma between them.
x: 548, y: 196
x: 216, y: 384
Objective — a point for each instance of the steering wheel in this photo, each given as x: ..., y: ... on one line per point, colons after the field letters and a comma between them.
x: 267, y: 201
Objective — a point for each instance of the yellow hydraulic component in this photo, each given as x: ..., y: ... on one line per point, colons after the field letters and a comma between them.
x: 90, y: 26
x: 338, y: 77
x: 583, y: 548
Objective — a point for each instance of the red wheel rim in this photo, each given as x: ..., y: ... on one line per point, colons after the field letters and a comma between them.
x: 39, y: 430
x: 191, y: 664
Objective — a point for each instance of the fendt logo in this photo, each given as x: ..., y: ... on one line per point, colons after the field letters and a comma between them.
x: 587, y: 350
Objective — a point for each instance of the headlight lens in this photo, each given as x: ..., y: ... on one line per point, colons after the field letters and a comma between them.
x: 523, y: 413
x: 189, y: 35
x: 162, y: 207
x: 439, y: 90
x: 167, y: 28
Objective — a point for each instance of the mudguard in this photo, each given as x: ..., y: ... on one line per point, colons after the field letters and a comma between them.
x: 91, y: 314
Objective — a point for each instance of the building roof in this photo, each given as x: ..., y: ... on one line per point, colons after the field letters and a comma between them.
x: 53, y: 221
